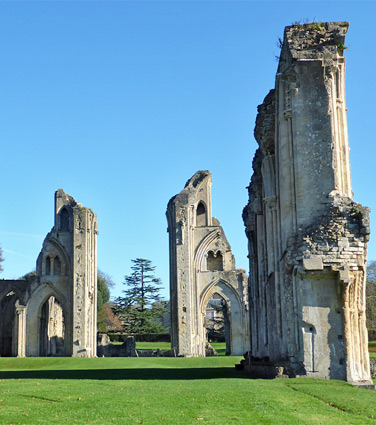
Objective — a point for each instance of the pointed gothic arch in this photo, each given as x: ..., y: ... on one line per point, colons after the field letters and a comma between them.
x: 8, y: 324
x: 57, y: 266
x: 201, y: 215
x: 237, y: 326
x: 37, y: 313
x: 64, y: 220
x: 55, y: 251
x: 51, y: 328
x: 200, y: 263
x: 48, y: 265
x: 214, y: 260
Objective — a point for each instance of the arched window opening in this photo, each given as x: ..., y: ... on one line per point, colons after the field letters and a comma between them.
x: 201, y: 215
x: 8, y: 326
x: 57, y: 266
x: 214, y: 261
x: 51, y: 329
x: 64, y: 220
x: 48, y: 265
x: 217, y: 323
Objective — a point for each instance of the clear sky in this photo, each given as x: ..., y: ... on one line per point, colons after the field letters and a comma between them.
x: 119, y: 103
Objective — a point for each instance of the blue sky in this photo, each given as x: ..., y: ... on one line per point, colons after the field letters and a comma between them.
x: 119, y: 103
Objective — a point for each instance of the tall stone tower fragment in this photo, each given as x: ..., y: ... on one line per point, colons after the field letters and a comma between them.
x: 55, y: 312
x: 76, y: 227
x: 307, y: 237
x: 201, y: 266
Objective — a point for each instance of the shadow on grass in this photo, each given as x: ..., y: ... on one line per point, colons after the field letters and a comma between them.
x: 132, y: 374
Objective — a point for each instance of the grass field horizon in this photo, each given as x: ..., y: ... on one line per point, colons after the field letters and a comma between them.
x: 220, y: 347
x: 179, y: 391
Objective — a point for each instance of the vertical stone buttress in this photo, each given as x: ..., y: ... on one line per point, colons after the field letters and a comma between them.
x: 195, y: 239
x: 307, y: 237
x: 79, y: 237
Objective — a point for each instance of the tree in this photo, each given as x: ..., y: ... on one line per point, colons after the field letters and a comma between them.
x: 140, y: 307
x: 106, y: 319
x: 371, y: 300
x: 29, y: 275
x: 1, y: 259
x: 103, y: 292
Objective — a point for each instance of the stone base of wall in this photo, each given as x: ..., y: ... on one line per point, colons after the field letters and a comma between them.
x: 106, y: 349
x: 156, y: 353
x: 366, y: 385
x: 119, y: 351
x: 262, y: 368
x: 372, y: 365
x: 127, y: 349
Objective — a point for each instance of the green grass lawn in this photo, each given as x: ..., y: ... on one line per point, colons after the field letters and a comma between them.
x: 153, y: 345
x: 150, y: 345
x: 220, y: 347
x: 372, y: 348
x: 179, y: 391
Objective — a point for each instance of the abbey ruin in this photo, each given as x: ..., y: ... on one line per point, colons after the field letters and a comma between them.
x: 307, y: 237
x: 202, y: 266
x: 301, y: 311
x: 55, y: 312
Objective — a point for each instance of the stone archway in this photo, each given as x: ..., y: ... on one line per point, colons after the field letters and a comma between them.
x: 51, y: 328
x: 55, y: 311
x: 236, y: 343
x: 47, y: 324
x: 8, y: 325
x: 217, y: 322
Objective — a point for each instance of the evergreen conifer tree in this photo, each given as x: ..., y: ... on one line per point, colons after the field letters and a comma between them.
x: 141, y: 308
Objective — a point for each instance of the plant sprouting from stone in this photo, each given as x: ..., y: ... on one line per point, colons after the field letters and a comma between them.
x: 355, y: 211
x: 316, y: 26
x: 341, y: 47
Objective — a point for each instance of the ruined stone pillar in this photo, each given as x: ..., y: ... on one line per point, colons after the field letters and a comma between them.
x: 21, y: 330
x: 202, y: 266
x: 307, y: 237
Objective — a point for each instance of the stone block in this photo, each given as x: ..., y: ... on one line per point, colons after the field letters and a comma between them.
x: 313, y: 264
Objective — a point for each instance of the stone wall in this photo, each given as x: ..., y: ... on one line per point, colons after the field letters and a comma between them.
x: 307, y: 237
x: 372, y: 363
x: 127, y: 349
x: 54, y: 312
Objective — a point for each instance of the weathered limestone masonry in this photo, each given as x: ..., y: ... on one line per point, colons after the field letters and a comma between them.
x: 54, y: 313
x: 201, y: 266
x: 307, y: 237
